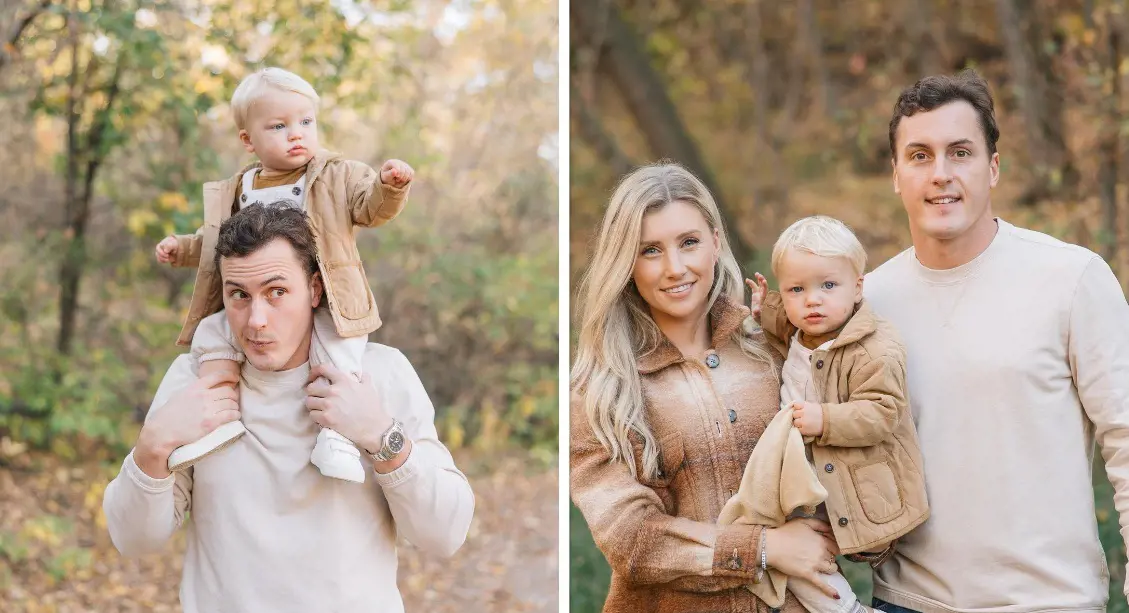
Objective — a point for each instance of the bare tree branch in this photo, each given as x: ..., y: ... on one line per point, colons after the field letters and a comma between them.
x: 17, y: 31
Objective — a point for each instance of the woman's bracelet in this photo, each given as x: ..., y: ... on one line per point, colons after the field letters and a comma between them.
x: 763, y: 566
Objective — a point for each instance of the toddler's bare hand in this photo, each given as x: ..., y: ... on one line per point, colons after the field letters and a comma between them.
x: 759, y: 290
x: 808, y: 417
x: 396, y: 173
x: 166, y: 250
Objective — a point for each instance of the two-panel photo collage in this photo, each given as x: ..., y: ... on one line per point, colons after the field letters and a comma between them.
x: 602, y: 306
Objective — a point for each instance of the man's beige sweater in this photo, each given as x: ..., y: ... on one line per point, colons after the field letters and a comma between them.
x: 268, y: 532
x: 1017, y: 362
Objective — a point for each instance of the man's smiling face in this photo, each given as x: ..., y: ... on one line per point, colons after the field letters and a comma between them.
x: 944, y: 171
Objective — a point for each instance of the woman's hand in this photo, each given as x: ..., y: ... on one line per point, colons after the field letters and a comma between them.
x: 804, y: 548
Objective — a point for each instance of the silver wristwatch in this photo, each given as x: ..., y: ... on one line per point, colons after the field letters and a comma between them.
x: 391, y: 442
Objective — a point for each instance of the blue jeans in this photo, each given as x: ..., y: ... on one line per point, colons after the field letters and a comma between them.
x: 882, y: 605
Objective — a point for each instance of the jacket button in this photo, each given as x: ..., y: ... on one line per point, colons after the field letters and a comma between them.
x: 297, y: 191
x: 712, y: 360
x: 774, y: 610
x: 818, y: 364
x: 735, y: 563
x: 842, y: 521
x: 829, y: 468
x: 243, y: 197
x: 732, y: 416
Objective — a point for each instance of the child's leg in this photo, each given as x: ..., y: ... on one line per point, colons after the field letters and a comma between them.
x: 333, y: 454
x: 215, y: 351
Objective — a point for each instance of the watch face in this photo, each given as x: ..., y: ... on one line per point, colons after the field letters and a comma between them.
x: 395, y: 442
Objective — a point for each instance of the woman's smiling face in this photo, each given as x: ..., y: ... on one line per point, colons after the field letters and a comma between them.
x: 675, y: 262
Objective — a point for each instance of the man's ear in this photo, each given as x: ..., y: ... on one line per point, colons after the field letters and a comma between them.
x: 316, y: 290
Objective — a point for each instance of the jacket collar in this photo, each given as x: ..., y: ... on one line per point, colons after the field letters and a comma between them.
x: 861, y: 325
x: 313, y: 167
x: 725, y: 317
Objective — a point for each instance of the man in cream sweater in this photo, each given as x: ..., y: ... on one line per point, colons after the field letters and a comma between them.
x: 267, y: 531
x: 1018, y: 360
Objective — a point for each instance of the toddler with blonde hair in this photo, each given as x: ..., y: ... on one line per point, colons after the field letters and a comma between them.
x: 843, y: 447
x: 275, y: 113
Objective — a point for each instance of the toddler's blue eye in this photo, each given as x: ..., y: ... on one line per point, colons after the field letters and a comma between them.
x: 829, y: 285
x: 796, y: 290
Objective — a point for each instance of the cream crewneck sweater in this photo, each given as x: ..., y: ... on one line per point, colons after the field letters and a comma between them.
x: 1017, y: 362
x: 268, y: 532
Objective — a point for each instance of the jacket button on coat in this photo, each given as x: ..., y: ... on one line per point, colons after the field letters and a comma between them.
x: 243, y: 197
x: 818, y: 364
x: 712, y: 360
x: 829, y: 468
x: 297, y: 191
x: 732, y: 416
x: 842, y: 521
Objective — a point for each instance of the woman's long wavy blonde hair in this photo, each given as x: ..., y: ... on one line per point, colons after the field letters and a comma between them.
x: 615, y: 322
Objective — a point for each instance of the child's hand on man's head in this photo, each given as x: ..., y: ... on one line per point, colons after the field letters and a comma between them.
x: 166, y: 250
x: 808, y: 417
x: 759, y: 290
x: 396, y: 173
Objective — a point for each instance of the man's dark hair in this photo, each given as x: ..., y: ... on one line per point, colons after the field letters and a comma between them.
x: 257, y: 225
x: 932, y: 92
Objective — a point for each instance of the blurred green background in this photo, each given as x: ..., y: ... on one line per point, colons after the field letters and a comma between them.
x: 783, y: 110
x: 117, y: 112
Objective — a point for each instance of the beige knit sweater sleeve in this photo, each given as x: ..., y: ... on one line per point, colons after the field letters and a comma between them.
x: 1099, y: 362
x: 143, y: 512
x: 430, y: 499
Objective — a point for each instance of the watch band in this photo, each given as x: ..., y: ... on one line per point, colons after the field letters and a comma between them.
x: 392, y: 442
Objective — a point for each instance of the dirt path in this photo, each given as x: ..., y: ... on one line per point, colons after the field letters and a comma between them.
x: 55, y: 555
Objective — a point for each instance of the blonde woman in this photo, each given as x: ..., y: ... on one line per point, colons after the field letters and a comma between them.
x: 670, y: 392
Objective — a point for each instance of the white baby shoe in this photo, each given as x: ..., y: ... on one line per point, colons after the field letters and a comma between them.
x: 337, y: 457
x: 186, y: 455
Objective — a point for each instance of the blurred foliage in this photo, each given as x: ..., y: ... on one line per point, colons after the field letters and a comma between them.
x: 130, y: 97
x: 786, y: 106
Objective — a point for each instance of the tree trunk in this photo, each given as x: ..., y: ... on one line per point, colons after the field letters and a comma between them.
x: 774, y: 195
x: 70, y: 268
x: 1039, y: 100
x: 919, y: 23
x: 1110, y: 144
x: 623, y: 62
x: 78, y: 203
x: 813, y: 49
x: 591, y: 131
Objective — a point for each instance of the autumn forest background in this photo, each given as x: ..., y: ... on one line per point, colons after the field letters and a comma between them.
x: 782, y: 108
x: 116, y: 112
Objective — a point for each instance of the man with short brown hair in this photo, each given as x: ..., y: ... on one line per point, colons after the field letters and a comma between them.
x: 268, y: 532
x: 1018, y: 360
